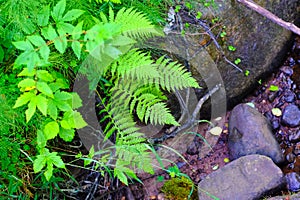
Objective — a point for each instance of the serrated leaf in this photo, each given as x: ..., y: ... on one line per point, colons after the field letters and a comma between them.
x: 121, y: 176
x: 43, y: 16
x: 122, y: 41
x: 28, y: 82
x: 58, y: 10
x: 51, y: 130
x: 44, y: 75
x: 65, y: 124
x: 49, y: 33
x: 49, y: 171
x: 72, y: 15
x: 26, y: 72
x: 36, y: 40
x: 23, y: 99
x: 66, y: 27
x: 60, y: 43
x: 76, y: 48
x: 41, y: 140
x: 30, y: 111
x: 23, y: 45
x: 63, y: 96
x: 66, y: 134
x: 52, y: 109
x: 29, y: 58
x: 78, y: 120
x: 44, y: 52
x: 76, y: 101
x: 42, y: 104
x: 44, y: 89
x: 77, y: 31
x: 39, y: 163
x: 56, y: 160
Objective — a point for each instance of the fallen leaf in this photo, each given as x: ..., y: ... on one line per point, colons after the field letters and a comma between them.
x: 216, y: 131
x: 276, y: 112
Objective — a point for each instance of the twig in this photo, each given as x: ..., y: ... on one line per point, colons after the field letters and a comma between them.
x: 264, y: 12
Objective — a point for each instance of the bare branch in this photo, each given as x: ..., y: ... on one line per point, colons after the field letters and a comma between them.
x: 264, y: 12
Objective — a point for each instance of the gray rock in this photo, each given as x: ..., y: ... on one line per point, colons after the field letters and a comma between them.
x: 249, y: 177
x: 251, y: 133
x: 293, y: 181
x: 291, y: 116
x: 286, y: 197
x: 260, y: 44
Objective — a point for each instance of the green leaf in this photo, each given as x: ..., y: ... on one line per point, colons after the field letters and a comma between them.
x: 273, y: 88
x: 29, y: 58
x: 76, y: 101
x: 23, y: 99
x: 56, y: 160
x: 76, y: 48
x: 41, y: 140
x: 44, y: 52
x: 72, y: 15
x: 65, y: 27
x: 49, y: 171
x: 1, y: 54
x: 23, y: 45
x: 44, y: 75
x: 36, y: 40
x: 60, y: 43
x: 49, y: 33
x: 28, y: 82
x: 78, y: 120
x: 43, y: 16
x: 39, y: 163
x: 121, y: 176
x: 42, y: 104
x: 30, y: 111
x: 276, y: 112
x: 52, y: 109
x: 51, y: 130
x: 77, y: 31
x: 65, y: 124
x: 26, y: 72
x: 63, y: 96
x: 66, y: 134
x: 44, y: 89
x: 58, y: 10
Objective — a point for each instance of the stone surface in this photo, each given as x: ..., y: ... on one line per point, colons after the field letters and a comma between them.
x: 293, y: 181
x: 286, y: 197
x: 291, y: 116
x: 251, y: 133
x: 260, y: 44
x: 249, y: 177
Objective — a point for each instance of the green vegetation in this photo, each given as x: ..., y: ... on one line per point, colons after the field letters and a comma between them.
x: 43, y: 44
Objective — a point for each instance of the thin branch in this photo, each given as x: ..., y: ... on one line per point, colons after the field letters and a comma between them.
x: 264, y: 12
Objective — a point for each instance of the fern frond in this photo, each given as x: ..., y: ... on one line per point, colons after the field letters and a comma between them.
x: 135, y: 24
x: 135, y: 65
x: 160, y: 114
x: 174, y: 76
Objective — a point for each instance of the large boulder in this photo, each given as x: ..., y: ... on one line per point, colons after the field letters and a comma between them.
x: 249, y: 177
x: 251, y: 133
x: 260, y: 44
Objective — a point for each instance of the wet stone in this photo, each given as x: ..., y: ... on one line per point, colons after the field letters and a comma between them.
x: 295, y: 137
x: 291, y: 61
x: 287, y: 70
x: 290, y: 157
x: 275, y: 124
x: 293, y: 181
x: 289, y: 97
x: 291, y: 116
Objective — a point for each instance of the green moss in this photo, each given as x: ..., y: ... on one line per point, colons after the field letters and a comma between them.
x: 179, y: 189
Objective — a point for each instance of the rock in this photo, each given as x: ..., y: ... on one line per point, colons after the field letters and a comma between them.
x: 251, y: 133
x: 287, y: 70
x: 295, y: 137
x: 293, y: 181
x: 248, y: 177
x: 290, y: 157
x: 286, y: 197
x: 291, y: 116
x: 260, y: 44
x: 289, y: 97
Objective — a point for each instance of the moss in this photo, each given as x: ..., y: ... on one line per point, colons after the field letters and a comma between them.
x: 179, y: 189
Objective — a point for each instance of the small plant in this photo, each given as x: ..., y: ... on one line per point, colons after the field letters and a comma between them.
x: 273, y: 88
x: 247, y: 72
x: 199, y: 15
x: 237, y: 61
x: 231, y: 48
x: 177, y: 8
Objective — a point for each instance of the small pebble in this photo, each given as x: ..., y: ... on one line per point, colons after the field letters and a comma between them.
x: 289, y: 97
x: 291, y: 61
x: 293, y: 181
x: 287, y: 70
x: 295, y: 137
x: 180, y: 164
x: 275, y: 124
x: 291, y: 116
x: 290, y: 157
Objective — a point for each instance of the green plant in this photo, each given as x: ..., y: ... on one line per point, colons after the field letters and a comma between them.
x: 136, y: 83
x: 231, y: 48
x: 237, y: 61
x: 273, y: 88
